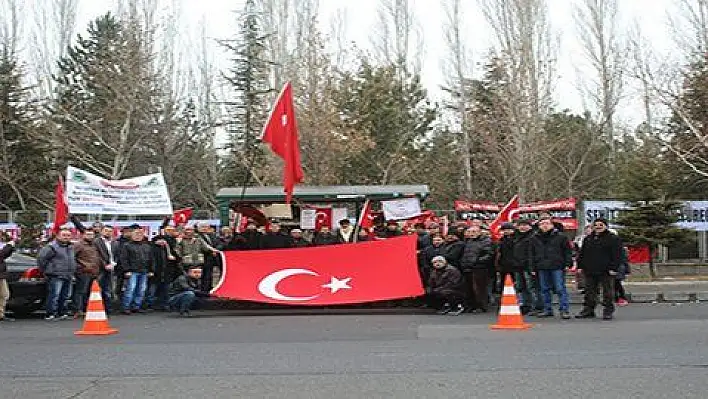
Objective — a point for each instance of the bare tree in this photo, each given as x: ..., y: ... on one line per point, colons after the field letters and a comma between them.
x: 398, y: 39
x: 690, y: 26
x: 459, y: 73
x: 596, y: 21
x: 525, y: 51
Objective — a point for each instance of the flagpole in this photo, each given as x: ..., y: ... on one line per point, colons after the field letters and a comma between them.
x: 360, y: 219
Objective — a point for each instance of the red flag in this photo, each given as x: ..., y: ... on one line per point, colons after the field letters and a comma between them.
x: 504, y: 216
x: 366, y: 220
x: 182, y: 216
x: 323, y: 217
x: 61, y: 210
x: 280, y: 131
x: 329, y: 275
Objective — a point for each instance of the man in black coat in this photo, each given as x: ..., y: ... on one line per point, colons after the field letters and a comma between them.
x: 599, y: 260
x: 445, y: 288
x: 552, y: 254
x: 426, y: 257
x: 509, y: 261
x: 477, y: 257
x: 324, y: 237
x: 275, y: 238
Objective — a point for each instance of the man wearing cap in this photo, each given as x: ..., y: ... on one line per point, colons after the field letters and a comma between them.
x: 445, y: 288
x: 599, y: 260
x: 345, y: 234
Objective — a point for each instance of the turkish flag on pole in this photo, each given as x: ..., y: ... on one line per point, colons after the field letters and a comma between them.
x: 280, y: 131
x: 330, y: 275
x: 323, y: 217
x: 366, y: 220
x: 61, y: 210
x: 504, y: 216
x: 182, y: 216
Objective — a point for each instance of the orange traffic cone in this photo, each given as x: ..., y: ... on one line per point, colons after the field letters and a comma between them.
x: 509, y: 313
x: 96, y: 322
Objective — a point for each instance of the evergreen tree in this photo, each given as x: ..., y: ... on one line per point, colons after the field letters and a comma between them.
x: 105, y: 96
x: 23, y: 164
x: 248, y: 78
x: 394, y: 114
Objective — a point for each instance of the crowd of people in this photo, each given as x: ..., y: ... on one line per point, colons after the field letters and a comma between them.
x: 461, y: 269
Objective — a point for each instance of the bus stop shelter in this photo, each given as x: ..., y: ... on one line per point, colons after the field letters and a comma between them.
x: 230, y: 198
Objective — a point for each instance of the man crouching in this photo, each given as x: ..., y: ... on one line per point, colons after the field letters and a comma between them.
x: 185, y: 290
x: 446, y: 287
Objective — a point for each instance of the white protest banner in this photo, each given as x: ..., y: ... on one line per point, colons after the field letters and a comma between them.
x: 308, y: 217
x: 401, y: 209
x: 87, y: 193
x: 693, y: 214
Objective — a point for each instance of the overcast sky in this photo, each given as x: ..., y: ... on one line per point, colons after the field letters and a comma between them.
x: 362, y: 20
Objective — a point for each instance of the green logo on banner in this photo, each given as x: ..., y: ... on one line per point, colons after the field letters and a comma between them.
x: 79, y: 177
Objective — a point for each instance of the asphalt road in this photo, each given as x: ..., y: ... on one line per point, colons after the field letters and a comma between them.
x: 649, y: 351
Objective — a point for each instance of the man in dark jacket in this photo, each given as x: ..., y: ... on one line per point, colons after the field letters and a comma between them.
x: 445, y: 288
x: 298, y: 240
x: 5, y: 252
x: 211, y: 259
x: 185, y: 290
x: 509, y: 261
x: 523, y: 251
x: 599, y: 260
x: 345, y: 234
x: 276, y: 238
x: 166, y: 270
x: 429, y: 253
x: 57, y: 262
x: 477, y: 257
x: 552, y: 254
x: 138, y: 264
x: 251, y: 238
x: 453, y: 249
x: 88, y: 265
x: 324, y: 237
x: 124, y: 238
x: 108, y: 250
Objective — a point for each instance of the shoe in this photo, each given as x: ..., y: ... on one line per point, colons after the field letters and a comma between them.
x: 51, y: 317
x: 622, y: 302
x: 585, y: 315
x: 445, y: 309
x: 64, y: 317
x: 533, y: 312
x: 606, y: 316
x: 545, y: 315
x: 6, y: 319
x: 458, y: 310
x: 565, y: 315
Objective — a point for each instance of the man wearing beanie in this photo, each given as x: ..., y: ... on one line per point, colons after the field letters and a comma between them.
x: 599, y: 260
x: 445, y: 288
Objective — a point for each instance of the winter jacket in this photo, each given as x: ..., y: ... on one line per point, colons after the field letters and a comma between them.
x: 424, y: 241
x: 600, y: 253
x: 185, y: 283
x: 252, y: 239
x: 551, y: 251
x: 138, y: 257
x: 88, y: 258
x: 276, y: 241
x: 5, y: 253
x: 446, y: 281
x: 429, y: 253
x: 106, y: 257
x: 477, y: 254
x: 192, y: 251
x: 301, y: 243
x: 452, y: 251
x: 345, y: 240
x: 506, y: 260
x: 523, y: 251
x: 324, y: 239
x: 57, y: 260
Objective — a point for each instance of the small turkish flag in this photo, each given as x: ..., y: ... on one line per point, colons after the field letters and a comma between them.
x: 329, y: 275
x: 323, y: 217
x: 61, y: 210
x: 182, y: 216
x: 280, y: 131
x: 504, y: 216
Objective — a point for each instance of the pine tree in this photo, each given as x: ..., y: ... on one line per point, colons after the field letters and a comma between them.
x: 105, y: 93
x: 248, y: 78
x: 23, y: 164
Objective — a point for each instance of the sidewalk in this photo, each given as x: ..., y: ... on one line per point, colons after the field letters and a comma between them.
x: 667, y: 290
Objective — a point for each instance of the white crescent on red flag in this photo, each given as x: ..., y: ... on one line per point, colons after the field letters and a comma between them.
x: 329, y: 275
x: 505, y: 215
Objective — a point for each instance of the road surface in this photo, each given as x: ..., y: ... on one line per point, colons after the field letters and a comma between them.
x: 649, y: 351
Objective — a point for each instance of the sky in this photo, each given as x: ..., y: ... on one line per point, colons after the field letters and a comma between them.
x: 650, y: 15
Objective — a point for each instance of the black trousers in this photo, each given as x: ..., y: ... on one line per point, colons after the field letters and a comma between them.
x: 619, y: 290
x: 593, y: 283
x: 436, y: 300
x: 477, y: 281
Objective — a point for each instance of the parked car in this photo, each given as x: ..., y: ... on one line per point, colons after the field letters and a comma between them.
x: 28, y: 290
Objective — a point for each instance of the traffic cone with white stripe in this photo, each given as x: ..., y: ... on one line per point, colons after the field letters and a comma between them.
x: 96, y: 322
x: 510, y: 317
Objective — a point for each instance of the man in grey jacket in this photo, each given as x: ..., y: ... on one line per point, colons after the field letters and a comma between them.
x: 58, y: 263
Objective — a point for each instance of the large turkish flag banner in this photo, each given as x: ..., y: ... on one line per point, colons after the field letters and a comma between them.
x: 329, y: 275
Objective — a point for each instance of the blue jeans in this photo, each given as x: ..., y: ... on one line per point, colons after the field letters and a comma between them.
x: 158, y: 294
x: 105, y: 281
x: 57, y: 294
x: 553, y: 280
x: 81, y: 292
x: 182, y: 301
x: 135, y: 288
